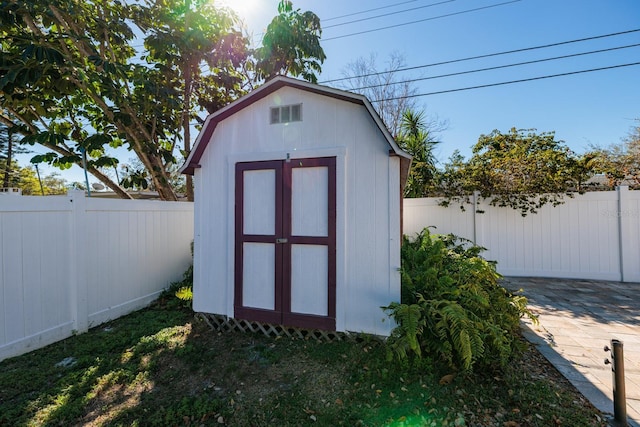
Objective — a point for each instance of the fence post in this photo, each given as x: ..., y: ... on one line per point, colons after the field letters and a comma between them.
x: 623, y: 217
x: 476, y: 203
x: 78, y: 261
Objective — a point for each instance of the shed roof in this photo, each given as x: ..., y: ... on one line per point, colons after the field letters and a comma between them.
x: 204, y: 137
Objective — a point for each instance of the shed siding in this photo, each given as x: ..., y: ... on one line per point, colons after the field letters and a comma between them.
x: 366, y: 202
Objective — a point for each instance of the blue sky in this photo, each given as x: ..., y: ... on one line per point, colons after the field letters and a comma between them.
x: 592, y: 108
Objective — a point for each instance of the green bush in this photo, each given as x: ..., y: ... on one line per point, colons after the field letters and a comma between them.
x: 180, y: 293
x: 453, y: 308
x: 182, y: 290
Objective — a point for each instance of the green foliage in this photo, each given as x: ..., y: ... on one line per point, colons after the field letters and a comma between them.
x: 26, y: 179
x: 519, y: 169
x: 620, y: 163
x: 72, y: 80
x: 453, y: 308
x: 291, y: 45
x: 185, y: 293
x: 180, y: 293
x: 417, y: 138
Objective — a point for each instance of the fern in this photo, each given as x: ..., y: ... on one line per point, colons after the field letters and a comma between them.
x: 185, y: 293
x: 453, y: 306
x: 461, y: 330
x: 409, y: 329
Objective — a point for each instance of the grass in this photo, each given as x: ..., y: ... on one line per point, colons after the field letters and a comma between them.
x: 161, y: 366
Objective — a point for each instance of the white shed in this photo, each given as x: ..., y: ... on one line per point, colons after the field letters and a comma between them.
x: 298, y: 193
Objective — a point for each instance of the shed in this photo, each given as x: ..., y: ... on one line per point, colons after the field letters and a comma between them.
x: 298, y: 194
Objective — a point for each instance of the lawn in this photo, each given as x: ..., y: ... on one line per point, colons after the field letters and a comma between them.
x: 162, y: 366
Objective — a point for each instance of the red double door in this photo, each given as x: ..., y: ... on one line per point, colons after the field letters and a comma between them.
x: 285, y: 242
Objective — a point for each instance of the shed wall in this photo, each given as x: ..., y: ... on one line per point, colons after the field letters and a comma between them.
x: 368, y: 202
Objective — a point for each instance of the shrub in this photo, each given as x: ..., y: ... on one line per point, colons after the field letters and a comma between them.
x: 453, y: 307
x: 183, y: 289
x: 180, y: 293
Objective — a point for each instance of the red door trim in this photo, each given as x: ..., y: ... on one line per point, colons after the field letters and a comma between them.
x: 307, y: 320
x: 240, y: 311
x: 282, y: 313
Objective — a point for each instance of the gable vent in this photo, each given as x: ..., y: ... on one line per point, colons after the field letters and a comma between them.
x: 286, y: 114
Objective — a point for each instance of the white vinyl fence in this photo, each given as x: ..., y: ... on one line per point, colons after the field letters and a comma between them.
x: 68, y: 263
x: 591, y: 236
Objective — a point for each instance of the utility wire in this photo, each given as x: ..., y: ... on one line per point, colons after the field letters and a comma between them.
x: 387, y: 14
x: 497, y: 67
x: 422, y: 20
x: 369, y: 10
x: 508, y: 82
x: 366, y: 11
x: 469, y: 58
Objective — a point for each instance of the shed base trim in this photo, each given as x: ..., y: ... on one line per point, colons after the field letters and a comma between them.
x: 222, y: 323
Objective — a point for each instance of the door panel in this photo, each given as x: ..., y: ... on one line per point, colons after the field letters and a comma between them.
x: 309, y: 200
x: 309, y: 290
x: 259, y: 210
x: 258, y: 273
x: 285, y: 260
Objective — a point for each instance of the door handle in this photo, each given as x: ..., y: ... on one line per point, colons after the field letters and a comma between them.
x: 282, y: 240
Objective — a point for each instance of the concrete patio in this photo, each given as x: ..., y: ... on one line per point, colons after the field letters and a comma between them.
x: 578, y: 318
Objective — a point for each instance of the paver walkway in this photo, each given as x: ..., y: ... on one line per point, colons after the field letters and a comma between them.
x: 578, y: 318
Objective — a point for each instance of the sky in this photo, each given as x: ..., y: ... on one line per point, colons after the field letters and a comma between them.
x: 585, y: 109
x: 596, y: 108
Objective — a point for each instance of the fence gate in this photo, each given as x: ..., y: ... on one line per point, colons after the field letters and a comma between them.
x: 285, y: 247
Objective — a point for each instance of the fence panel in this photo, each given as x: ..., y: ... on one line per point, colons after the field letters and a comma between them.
x: 425, y: 212
x: 573, y: 240
x: 591, y: 236
x: 70, y: 262
x: 148, y: 240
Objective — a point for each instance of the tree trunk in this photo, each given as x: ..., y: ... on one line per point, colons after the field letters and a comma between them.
x: 187, y: 105
x: 187, y: 127
x: 109, y: 183
x: 7, y: 168
x: 159, y: 177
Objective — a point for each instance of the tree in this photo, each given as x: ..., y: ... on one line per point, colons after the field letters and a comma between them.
x: 417, y: 137
x: 137, y: 178
x: 8, y: 150
x: 391, y: 96
x: 6, y: 153
x: 58, y: 61
x: 291, y: 45
x: 413, y: 130
x: 27, y: 180
x: 72, y: 81
x: 519, y: 169
x: 620, y: 163
x: 186, y: 39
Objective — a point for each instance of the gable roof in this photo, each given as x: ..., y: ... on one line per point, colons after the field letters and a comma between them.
x: 204, y: 137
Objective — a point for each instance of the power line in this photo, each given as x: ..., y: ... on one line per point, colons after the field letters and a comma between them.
x: 422, y: 20
x: 509, y: 82
x: 388, y: 14
x: 469, y: 58
x: 369, y: 10
x: 498, y: 67
x: 366, y: 11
